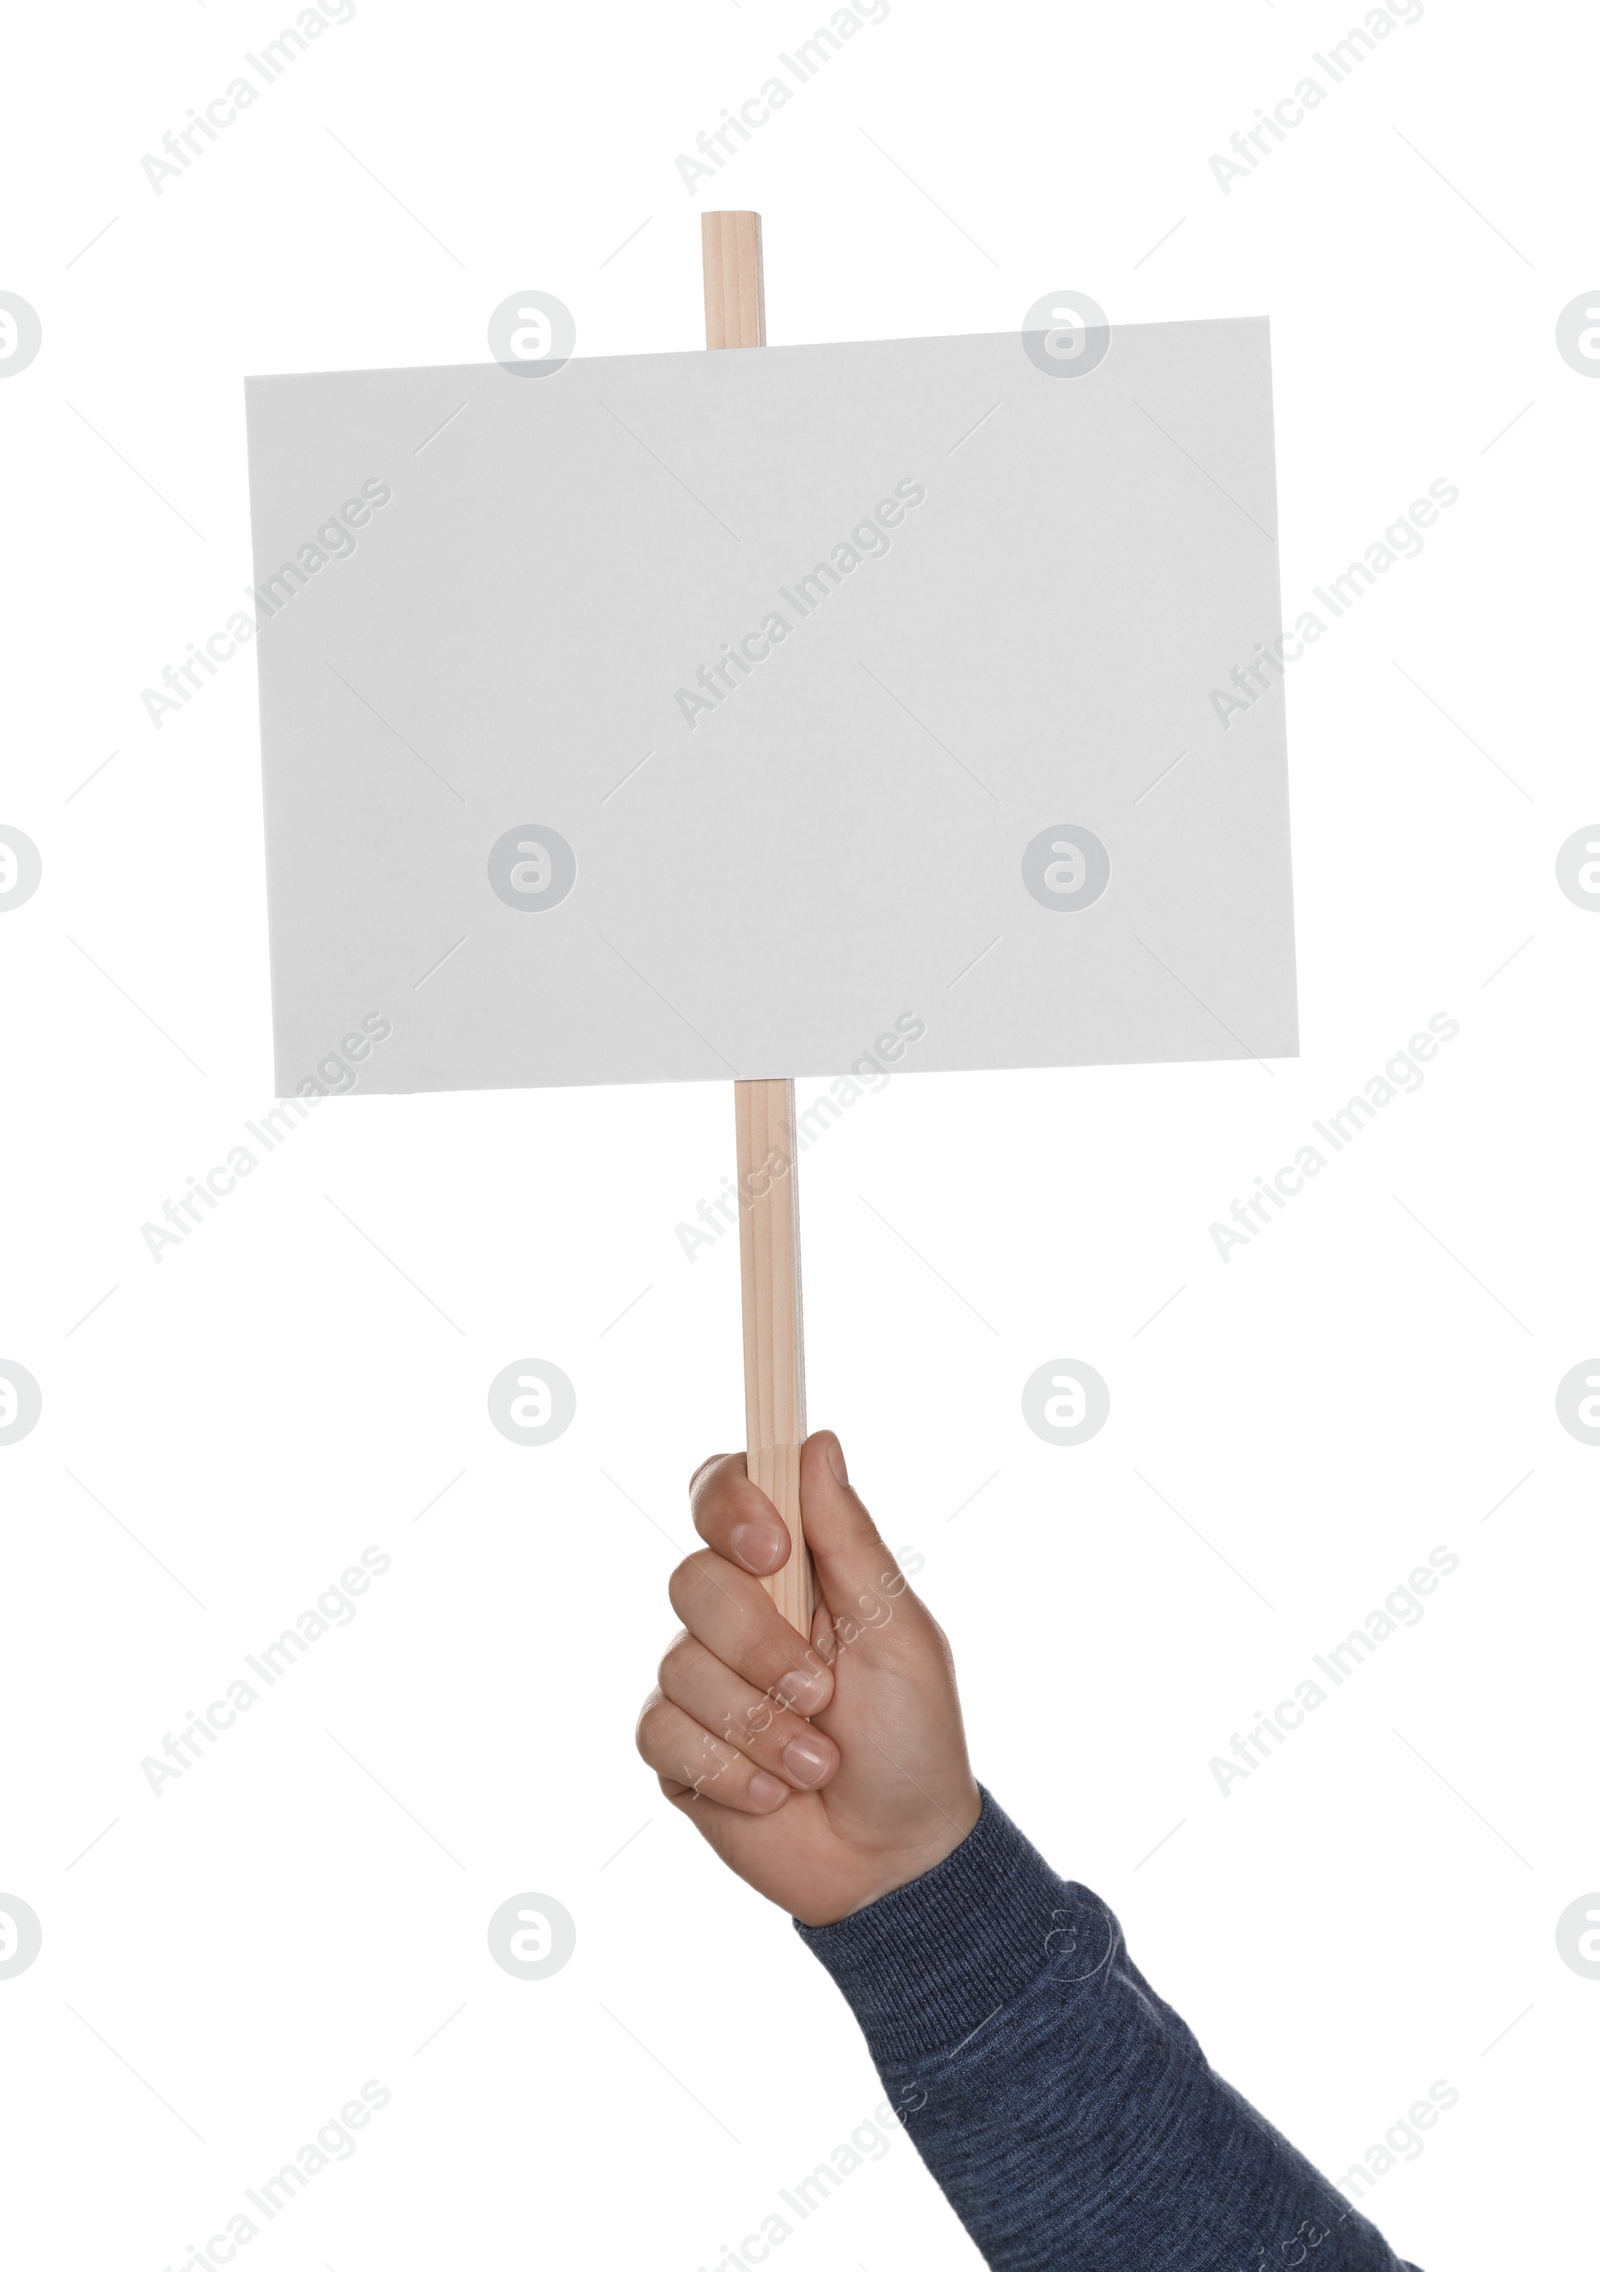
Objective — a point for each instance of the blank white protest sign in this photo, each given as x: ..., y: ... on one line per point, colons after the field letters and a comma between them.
x: 677, y: 717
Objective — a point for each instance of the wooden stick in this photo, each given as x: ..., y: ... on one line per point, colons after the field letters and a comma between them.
x: 769, y: 1213
x: 774, y: 1346
x: 736, y: 306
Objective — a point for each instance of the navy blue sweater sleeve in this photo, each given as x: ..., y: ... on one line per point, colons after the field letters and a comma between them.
x: 1068, y: 2113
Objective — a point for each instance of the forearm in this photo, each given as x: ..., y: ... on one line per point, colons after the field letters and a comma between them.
x: 1068, y: 2114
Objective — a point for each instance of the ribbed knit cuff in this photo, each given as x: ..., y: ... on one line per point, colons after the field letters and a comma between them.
x: 927, y: 1964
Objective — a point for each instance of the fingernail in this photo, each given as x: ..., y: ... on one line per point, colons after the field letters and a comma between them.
x: 841, y: 1473
x: 767, y: 1791
x: 806, y: 1760
x: 803, y: 1691
x: 756, y: 1545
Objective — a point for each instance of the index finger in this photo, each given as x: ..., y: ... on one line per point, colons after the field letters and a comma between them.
x: 735, y: 1517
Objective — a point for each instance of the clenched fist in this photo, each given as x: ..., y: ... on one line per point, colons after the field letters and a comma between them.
x: 827, y: 1774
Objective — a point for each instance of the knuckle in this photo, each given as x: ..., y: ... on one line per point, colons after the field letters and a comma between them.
x: 674, y: 1664
x: 704, y: 1469
x: 650, y: 1724
x: 710, y: 1474
x: 692, y: 1580
x: 686, y: 1581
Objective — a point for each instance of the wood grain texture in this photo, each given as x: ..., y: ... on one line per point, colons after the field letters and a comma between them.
x: 774, y: 1342
x: 736, y: 306
x: 769, y: 1215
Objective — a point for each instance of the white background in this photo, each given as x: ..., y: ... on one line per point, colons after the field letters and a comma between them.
x: 1375, y: 1908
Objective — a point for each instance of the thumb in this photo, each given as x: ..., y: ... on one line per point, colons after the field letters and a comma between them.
x: 851, y: 1558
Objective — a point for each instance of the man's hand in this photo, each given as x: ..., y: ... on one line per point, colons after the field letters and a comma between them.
x: 827, y: 1774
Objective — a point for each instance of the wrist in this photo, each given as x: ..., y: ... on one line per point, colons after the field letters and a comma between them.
x: 892, y: 1867
x: 924, y: 1964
